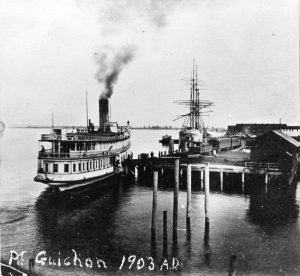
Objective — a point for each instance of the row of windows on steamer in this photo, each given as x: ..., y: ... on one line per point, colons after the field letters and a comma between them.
x: 81, y: 166
x: 106, y: 146
x: 96, y: 146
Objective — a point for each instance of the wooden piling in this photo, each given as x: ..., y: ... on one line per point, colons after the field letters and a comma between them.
x: 144, y: 179
x: 189, y: 195
x: 266, y: 183
x: 206, y: 234
x: 31, y: 264
x: 206, y: 188
x: 201, y: 180
x: 0, y: 247
x: 243, y: 183
x: 180, y: 178
x: 165, y: 233
x: 162, y: 177
x: 136, y: 172
x: 171, y: 146
x: 175, y: 202
x: 221, y: 181
x: 154, y: 205
x: 232, y: 265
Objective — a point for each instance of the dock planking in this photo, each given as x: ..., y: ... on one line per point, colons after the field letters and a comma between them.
x: 198, y: 164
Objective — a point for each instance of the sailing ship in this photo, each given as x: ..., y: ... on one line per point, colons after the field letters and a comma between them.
x: 71, y: 158
x: 193, y: 136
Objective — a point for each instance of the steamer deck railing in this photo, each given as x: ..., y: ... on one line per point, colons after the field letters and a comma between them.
x: 80, y: 137
x: 48, y: 154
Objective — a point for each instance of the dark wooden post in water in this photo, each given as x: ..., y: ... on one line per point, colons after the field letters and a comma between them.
x: 266, y: 183
x: 162, y: 176
x: 188, y: 196
x: 171, y: 146
x: 165, y: 233
x: 154, y: 205
x: 144, y: 175
x: 232, y: 265
x: 180, y: 178
x: 31, y: 264
x: 243, y: 183
x: 201, y: 180
x: 206, y: 188
x: 175, y: 205
x: 221, y: 181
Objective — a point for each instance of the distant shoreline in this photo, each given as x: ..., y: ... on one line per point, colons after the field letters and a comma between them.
x: 145, y: 128
x: 154, y: 127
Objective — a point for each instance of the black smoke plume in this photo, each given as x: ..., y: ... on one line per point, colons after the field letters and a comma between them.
x: 111, y: 63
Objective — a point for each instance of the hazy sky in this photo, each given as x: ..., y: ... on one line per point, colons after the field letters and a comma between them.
x: 246, y: 51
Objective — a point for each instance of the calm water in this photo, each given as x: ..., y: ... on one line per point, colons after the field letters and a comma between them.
x: 261, y: 228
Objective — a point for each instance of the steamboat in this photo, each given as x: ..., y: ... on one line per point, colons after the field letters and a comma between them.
x: 71, y: 158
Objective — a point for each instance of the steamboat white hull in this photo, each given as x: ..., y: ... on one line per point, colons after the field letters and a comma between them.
x: 67, y: 182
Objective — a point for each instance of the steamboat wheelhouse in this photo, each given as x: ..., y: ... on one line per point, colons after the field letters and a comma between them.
x: 80, y: 156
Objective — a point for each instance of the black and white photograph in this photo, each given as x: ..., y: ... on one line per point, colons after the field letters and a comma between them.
x: 149, y: 137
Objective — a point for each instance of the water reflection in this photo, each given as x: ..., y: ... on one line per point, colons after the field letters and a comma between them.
x: 115, y: 221
x: 272, y: 207
x: 206, y: 247
x: 82, y: 220
x: 108, y: 223
x: 271, y: 204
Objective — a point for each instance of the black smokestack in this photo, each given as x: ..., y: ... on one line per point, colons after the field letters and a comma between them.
x: 103, y: 113
x: 110, y: 67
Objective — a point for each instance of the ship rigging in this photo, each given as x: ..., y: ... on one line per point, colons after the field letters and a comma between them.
x: 193, y: 119
x: 193, y: 132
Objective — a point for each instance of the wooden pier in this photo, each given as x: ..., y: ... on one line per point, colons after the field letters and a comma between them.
x: 163, y: 163
x: 156, y: 168
x: 177, y: 168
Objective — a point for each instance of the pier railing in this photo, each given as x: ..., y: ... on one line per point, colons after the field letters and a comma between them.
x: 83, y: 154
x: 260, y: 165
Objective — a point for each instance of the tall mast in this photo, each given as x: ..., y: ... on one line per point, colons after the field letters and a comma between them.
x: 86, y: 106
x: 193, y: 95
x: 197, y: 100
x: 52, y: 121
x: 191, y: 105
x: 195, y: 105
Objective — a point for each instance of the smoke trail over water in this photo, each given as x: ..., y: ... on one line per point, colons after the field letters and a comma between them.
x: 111, y: 63
x: 151, y: 14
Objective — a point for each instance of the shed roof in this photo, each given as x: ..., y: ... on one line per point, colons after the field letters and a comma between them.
x: 287, y: 138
